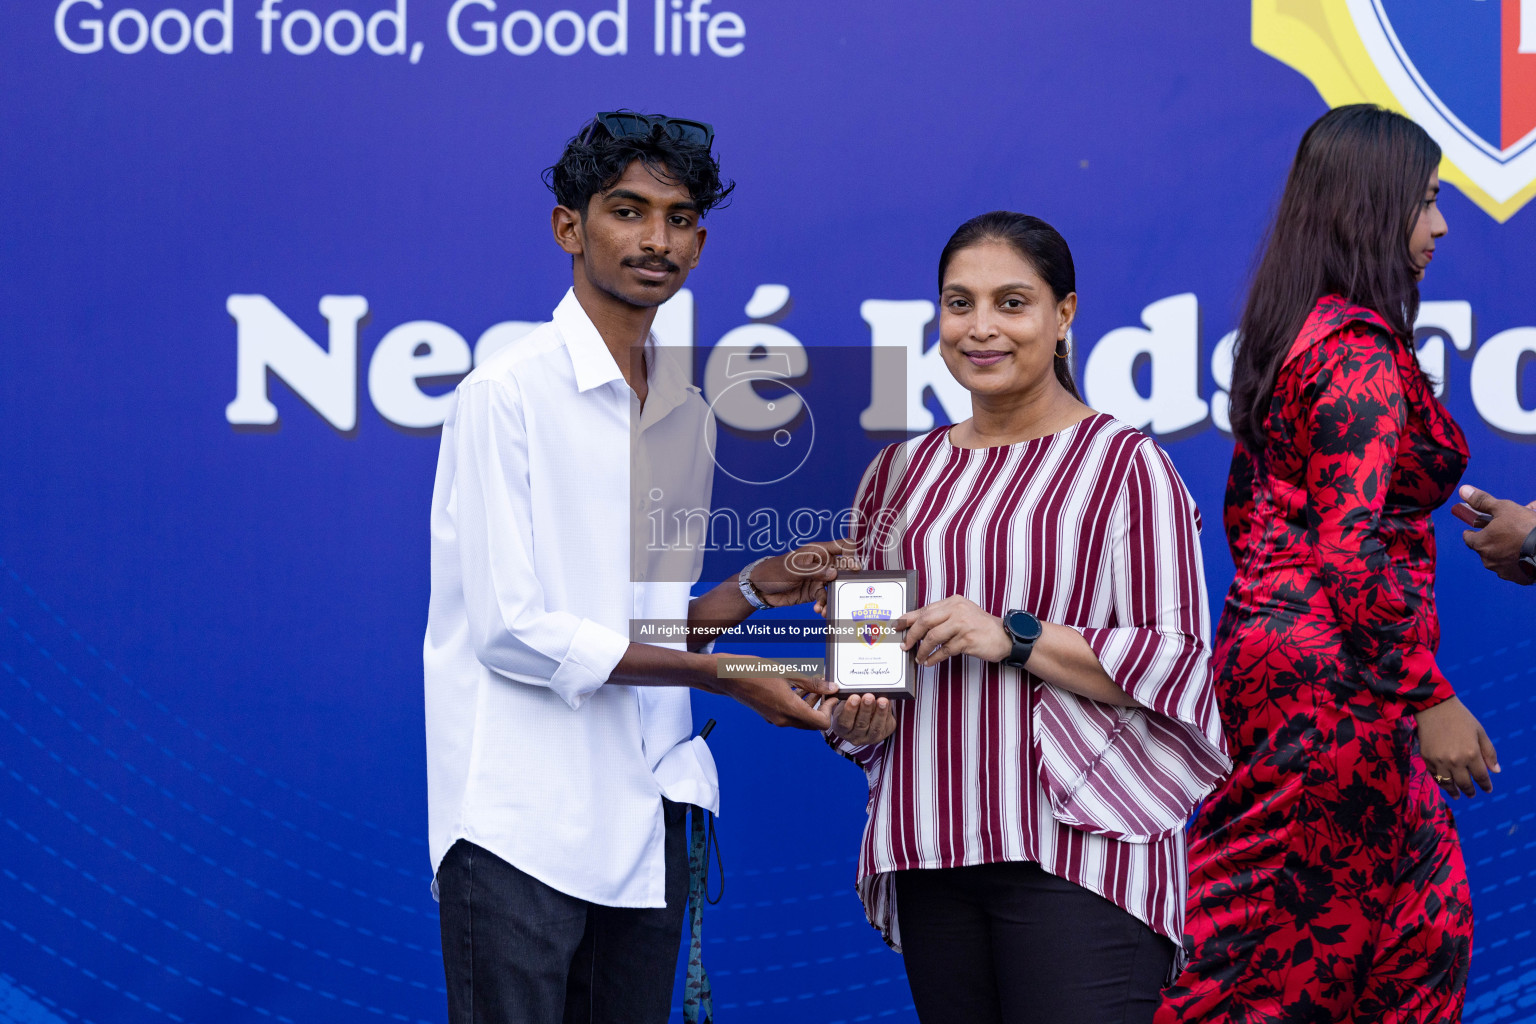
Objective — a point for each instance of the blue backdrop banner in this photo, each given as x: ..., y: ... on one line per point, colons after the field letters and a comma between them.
x: 249, y: 245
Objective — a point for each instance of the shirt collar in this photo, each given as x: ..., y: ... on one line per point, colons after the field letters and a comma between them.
x: 669, y: 380
x: 590, y: 357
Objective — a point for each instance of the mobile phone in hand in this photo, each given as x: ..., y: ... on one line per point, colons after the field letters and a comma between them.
x: 1471, y: 516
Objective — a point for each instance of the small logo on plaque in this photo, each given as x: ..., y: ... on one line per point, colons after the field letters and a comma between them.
x: 869, y: 618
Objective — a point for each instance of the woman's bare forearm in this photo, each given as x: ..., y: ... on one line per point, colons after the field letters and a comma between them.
x: 1063, y: 658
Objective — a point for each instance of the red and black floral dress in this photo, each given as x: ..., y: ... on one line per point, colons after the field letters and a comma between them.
x: 1327, y: 882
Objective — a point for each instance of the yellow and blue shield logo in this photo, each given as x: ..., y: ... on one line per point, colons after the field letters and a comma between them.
x: 1463, y: 69
x: 870, y: 618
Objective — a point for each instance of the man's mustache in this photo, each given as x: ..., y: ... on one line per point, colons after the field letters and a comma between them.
x: 650, y: 263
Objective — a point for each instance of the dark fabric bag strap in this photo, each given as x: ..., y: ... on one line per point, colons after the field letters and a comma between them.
x: 698, y: 1004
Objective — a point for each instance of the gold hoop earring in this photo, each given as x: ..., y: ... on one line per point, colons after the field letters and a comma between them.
x: 1059, y: 346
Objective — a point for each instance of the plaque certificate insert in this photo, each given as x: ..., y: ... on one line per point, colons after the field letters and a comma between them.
x: 864, y: 652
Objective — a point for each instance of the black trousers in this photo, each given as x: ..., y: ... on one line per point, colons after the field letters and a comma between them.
x: 516, y: 951
x: 1013, y: 944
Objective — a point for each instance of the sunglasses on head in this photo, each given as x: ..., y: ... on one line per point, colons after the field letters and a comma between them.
x: 622, y: 124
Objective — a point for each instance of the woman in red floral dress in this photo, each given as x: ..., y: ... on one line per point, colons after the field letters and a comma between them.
x: 1327, y: 882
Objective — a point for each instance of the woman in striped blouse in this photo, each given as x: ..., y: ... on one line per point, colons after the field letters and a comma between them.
x: 1025, y: 845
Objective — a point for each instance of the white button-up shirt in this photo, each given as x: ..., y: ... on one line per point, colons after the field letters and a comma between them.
x: 531, y: 754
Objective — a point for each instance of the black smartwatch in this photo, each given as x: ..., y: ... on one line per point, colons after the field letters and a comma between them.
x: 1024, y: 629
x: 1528, y: 556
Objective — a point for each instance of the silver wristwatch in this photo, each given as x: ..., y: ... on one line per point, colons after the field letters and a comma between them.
x: 748, y: 591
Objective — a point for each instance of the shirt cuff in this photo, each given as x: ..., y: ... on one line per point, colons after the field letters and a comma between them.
x: 686, y: 775
x: 1424, y: 685
x: 594, y: 653
x: 862, y: 755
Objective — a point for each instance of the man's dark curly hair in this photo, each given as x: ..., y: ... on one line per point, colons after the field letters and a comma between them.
x: 586, y: 169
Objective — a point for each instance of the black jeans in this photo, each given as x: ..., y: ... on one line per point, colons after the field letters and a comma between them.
x: 516, y: 951
x: 1012, y: 943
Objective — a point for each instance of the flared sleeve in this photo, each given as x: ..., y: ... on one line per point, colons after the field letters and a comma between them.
x: 1136, y: 774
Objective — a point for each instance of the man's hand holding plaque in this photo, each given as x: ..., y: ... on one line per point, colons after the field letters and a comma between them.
x: 803, y: 574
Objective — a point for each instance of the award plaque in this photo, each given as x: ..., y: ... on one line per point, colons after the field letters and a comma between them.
x: 864, y: 653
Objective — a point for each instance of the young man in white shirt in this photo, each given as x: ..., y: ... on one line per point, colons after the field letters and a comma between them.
x: 560, y: 754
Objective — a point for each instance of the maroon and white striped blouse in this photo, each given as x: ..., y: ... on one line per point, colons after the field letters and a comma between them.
x: 1090, y: 528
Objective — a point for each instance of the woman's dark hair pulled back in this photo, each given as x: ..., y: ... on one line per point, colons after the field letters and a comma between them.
x: 1038, y: 244
x: 1351, y: 201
